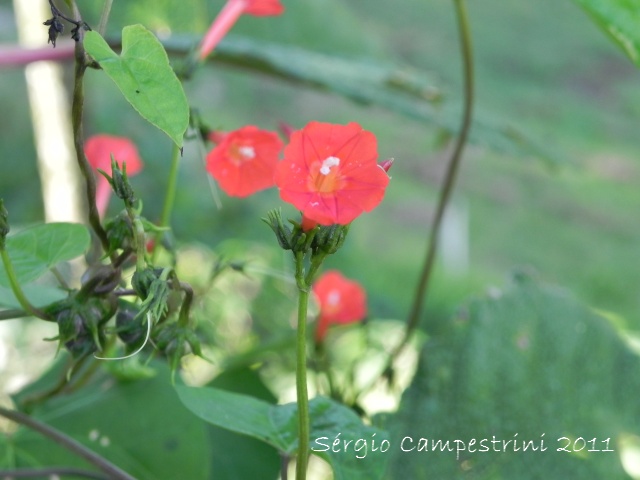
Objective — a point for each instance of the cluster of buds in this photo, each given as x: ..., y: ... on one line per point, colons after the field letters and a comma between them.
x: 319, y: 239
x: 81, y: 322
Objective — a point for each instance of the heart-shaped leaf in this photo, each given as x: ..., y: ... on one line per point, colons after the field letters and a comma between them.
x: 35, y: 250
x: 144, y: 76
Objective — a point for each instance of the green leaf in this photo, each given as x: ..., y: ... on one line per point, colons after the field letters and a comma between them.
x: 529, y: 364
x: 38, y: 295
x: 620, y: 19
x: 35, y: 250
x: 229, y: 449
x: 144, y: 76
x: 400, y: 89
x: 140, y: 426
x: 277, y: 426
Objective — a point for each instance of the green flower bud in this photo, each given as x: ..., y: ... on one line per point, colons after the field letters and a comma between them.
x: 283, y: 233
x: 142, y: 280
x: 81, y: 324
x: 120, y: 183
x: 120, y: 233
x: 131, y: 327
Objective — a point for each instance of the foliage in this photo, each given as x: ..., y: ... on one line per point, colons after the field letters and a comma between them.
x: 530, y: 365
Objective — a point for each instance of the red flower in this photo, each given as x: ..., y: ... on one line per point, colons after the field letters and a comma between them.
x: 229, y: 15
x: 98, y: 150
x: 244, y: 161
x: 329, y: 172
x: 341, y: 301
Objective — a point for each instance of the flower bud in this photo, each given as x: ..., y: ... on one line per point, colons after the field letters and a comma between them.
x: 120, y: 232
x: 81, y: 324
x: 142, y: 280
x: 386, y: 164
x: 131, y: 327
x: 120, y: 183
x: 283, y: 233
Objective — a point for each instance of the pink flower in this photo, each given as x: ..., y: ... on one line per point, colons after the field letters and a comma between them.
x: 329, y: 172
x: 229, y: 15
x: 244, y: 161
x: 341, y: 301
x: 98, y: 150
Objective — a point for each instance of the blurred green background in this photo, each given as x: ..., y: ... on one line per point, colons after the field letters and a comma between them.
x: 548, y: 185
x: 543, y: 69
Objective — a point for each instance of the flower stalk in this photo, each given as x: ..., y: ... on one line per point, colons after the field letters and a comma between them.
x: 301, y: 373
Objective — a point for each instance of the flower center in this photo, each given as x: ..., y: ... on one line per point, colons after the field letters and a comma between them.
x: 242, y: 153
x: 333, y: 298
x: 327, y: 163
x: 327, y: 180
x: 247, y: 152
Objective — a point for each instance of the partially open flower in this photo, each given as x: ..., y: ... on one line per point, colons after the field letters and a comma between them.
x: 244, y: 161
x: 229, y: 15
x: 341, y: 301
x: 329, y: 172
x: 99, y: 149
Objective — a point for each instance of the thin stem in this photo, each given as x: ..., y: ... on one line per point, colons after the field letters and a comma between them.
x: 78, y: 141
x: 450, y: 177
x: 104, y: 17
x: 17, y: 290
x: 112, y: 471
x: 301, y: 374
x: 170, y: 197
x: 12, y: 313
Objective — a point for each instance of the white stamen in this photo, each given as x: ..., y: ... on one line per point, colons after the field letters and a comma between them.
x: 247, y: 152
x: 333, y: 298
x: 327, y: 163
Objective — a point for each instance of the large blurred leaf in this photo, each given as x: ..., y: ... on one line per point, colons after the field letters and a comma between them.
x: 374, y: 82
x: 230, y: 450
x: 35, y: 250
x: 140, y: 426
x: 144, y: 76
x: 620, y: 19
x: 532, y: 365
x: 277, y: 426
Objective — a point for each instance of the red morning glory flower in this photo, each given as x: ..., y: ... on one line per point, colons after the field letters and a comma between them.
x: 98, y: 150
x: 329, y: 172
x: 244, y: 160
x: 229, y: 15
x: 341, y: 301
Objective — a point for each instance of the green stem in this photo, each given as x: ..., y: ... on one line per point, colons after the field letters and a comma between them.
x: 12, y: 313
x: 301, y: 373
x: 111, y: 470
x: 17, y: 290
x: 450, y: 177
x: 104, y: 16
x: 78, y: 139
x: 170, y: 197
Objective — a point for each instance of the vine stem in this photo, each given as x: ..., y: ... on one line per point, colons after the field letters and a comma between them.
x: 449, y: 179
x: 112, y: 471
x: 301, y: 372
x: 78, y: 137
